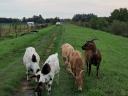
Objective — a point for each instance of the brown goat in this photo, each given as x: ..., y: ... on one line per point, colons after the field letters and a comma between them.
x: 76, y: 65
x: 66, y: 50
x: 93, y: 55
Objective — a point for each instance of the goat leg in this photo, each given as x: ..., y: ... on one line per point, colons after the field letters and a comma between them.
x: 97, y: 73
x: 27, y: 74
x: 64, y: 59
x: 87, y: 66
x: 89, y: 69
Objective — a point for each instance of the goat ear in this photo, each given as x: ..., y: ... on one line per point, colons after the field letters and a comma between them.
x: 46, y: 69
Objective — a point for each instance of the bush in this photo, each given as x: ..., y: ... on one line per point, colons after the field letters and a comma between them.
x: 119, y: 28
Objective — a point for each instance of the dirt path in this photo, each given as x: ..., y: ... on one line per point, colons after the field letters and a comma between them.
x: 46, y: 45
x: 25, y: 89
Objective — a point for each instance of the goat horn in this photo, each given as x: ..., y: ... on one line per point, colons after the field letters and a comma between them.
x: 81, y: 71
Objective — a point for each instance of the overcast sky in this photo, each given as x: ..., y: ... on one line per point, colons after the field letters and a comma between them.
x: 59, y: 8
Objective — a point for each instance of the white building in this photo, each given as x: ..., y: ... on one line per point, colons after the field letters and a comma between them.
x: 30, y: 24
x: 58, y: 23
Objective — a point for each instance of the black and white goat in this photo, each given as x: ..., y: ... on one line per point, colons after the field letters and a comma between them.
x: 49, y: 70
x: 31, y: 61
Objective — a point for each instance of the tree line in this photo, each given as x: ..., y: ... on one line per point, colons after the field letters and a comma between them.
x: 38, y: 19
x: 13, y: 27
x: 116, y: 23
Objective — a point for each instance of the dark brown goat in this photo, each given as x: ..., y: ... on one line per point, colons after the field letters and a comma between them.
x: 93, y: 55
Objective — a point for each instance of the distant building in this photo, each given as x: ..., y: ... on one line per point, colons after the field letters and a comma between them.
x: 58, y: 23
x: 30, y: 24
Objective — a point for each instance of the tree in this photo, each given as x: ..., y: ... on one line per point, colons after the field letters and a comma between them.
x: 93, y: 22
x: 120, y: 14
x: 0, y: 30
x: 24, y: 19
x: 102, y: 23
x: 83, y: 17
x: 37, y: 19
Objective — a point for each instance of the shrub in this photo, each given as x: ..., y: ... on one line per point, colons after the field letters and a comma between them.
x: 119, y: 28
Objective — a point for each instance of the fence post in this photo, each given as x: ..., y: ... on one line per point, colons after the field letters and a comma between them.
x: 0, y: 30
x: 15, y: 29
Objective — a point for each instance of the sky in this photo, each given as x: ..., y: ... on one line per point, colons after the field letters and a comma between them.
x: 59, y: 8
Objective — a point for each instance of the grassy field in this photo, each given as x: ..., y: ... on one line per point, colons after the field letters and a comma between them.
x: 114, y: 67
x: 113, y: 70
x: 11, y: 69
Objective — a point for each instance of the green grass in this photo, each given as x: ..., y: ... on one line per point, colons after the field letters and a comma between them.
x: 113, y: 70
x: 11, y: 67
x: 114, y: 67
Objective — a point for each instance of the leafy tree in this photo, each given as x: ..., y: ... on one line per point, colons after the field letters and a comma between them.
x: 83, y: 17
x: 37, y: 19
x: 9, y: 20
x: 120, y: 14
x: 93, y: 22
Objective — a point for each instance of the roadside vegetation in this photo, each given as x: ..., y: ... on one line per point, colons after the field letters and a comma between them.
x: 116, y: 23
x: 113, y: 69
x: 11, y: 68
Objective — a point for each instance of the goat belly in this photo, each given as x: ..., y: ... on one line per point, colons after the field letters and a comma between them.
x: 94, y: 61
